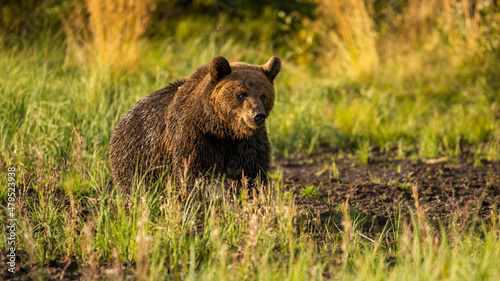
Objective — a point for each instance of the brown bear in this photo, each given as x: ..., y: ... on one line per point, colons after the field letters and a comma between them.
x: 210, y: 124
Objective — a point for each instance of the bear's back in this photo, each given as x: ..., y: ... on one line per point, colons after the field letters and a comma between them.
x: 139, y: 133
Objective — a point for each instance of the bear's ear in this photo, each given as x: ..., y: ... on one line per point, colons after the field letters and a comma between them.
x: 219, y: 68
x: 272, y: 68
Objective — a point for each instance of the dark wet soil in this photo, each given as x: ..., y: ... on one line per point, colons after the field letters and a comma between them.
x: 385, y: 186
x: 446, y: 188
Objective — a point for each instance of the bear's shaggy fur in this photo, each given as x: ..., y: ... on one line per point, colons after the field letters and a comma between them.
x: 212, y: 123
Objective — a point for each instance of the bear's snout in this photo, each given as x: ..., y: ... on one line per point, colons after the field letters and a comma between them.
x: 259, y: 118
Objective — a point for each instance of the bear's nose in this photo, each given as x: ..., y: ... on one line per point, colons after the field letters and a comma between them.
x: 259, y: 118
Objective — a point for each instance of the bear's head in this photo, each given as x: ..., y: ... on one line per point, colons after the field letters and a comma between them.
x: 243, y: 95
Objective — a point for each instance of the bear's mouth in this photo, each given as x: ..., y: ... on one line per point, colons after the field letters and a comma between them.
x: 251, y: 125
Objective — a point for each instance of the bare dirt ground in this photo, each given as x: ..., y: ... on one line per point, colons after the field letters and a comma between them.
x: 377, y: 190
x: 446, y: 188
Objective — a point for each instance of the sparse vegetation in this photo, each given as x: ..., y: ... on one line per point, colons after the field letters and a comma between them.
x: 416, y: 78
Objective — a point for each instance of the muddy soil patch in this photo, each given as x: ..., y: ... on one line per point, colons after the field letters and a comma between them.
x: 446, y: 188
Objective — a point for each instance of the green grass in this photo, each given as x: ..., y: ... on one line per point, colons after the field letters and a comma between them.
x: 55, y: 124
x: 234, y: 237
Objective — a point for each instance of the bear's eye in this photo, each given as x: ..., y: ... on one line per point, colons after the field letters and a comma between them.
x: 242, y: 96
x: 262, y: 97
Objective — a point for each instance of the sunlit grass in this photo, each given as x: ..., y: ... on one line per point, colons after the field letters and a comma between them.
x: 56, y: 119
x: 251, y: 235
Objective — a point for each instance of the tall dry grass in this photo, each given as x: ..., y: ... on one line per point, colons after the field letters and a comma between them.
x: 351, y: 41
x: 106, y: 33
x: 350, y: 35
x: 457, y: 19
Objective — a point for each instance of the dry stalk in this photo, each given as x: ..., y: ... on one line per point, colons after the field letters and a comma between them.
x: 349, y: 32
x: 106, y: 33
